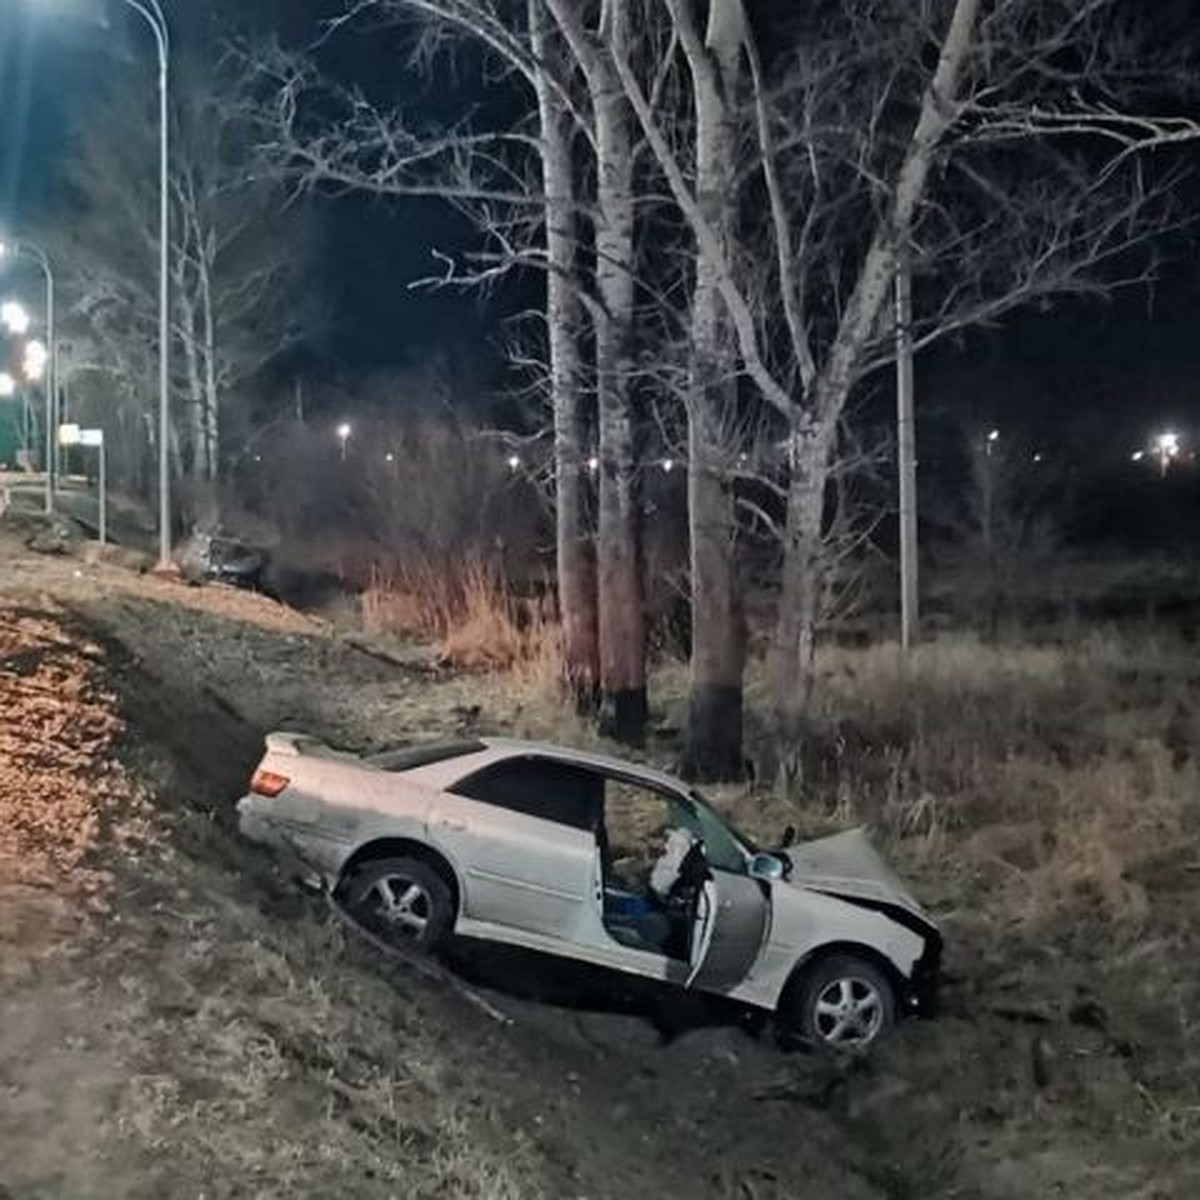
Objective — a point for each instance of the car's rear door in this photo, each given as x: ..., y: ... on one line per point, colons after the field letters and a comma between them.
x: 522, y: 832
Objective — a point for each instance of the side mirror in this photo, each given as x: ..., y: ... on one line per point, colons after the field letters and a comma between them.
x: 767, y: 867
x: 789, y: 837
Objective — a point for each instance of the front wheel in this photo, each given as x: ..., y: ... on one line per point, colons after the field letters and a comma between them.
x: 841, y: 1003
x: 402, y: 900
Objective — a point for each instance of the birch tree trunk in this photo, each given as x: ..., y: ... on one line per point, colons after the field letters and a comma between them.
x: 713, y: 736
x: 210, y: 431
x: 189, y: 341
x: 575, y: 559
x: 622, y: 619
x: 794, y: 640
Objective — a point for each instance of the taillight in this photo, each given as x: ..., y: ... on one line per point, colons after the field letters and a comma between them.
x: 268, y: 783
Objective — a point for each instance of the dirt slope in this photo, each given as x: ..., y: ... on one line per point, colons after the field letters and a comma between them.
x: 187, y: 1026
x: 212, y: 1033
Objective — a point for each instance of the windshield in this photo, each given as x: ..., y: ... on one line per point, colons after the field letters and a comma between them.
x: 724, y: 846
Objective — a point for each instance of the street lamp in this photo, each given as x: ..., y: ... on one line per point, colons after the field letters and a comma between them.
x: 13, y: 316
x: 151, y: 11
x: 34, y: 363
x: 1167, y: 445
x: 343, y: 433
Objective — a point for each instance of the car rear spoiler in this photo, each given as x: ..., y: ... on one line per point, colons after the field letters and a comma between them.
x: 282, y: 742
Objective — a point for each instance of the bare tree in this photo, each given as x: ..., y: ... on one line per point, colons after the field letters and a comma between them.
x: 512, y: 181
x: 1000, y: 145
x: 1001, y: 527
x: 242, y: 295
x: 564, y: 319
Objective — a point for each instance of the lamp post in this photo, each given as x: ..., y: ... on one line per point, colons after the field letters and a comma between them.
x: 343, y: 435
x: 16, y: 248
x: 152, y: 11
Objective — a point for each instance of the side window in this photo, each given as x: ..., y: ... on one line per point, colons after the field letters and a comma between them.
x: 636, y: 822
x: 636, y: 819
x: 538, y: 787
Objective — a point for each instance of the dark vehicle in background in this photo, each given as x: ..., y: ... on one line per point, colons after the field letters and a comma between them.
x: 209, y: 557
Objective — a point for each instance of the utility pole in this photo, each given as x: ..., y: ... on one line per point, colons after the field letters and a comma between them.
x: 906, y: 451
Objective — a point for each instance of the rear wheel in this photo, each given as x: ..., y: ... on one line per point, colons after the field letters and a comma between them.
x: 841, y: 1003
x: 402, y: 900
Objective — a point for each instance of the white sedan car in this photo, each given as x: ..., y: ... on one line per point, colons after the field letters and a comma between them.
x: 604, y: 862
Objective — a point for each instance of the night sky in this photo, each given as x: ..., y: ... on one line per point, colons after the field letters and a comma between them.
x: 1095, y: 377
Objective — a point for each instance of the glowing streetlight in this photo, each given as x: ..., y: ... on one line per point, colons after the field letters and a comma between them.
x: 14, y: 318
x: 151, y: 12
x: 593, y: 464
x: 34, y: 363
x: 668, y: 465
x: 1167, y: 446
x: 20, y: 248
x: 343, y: 434
x: 1138, y: 455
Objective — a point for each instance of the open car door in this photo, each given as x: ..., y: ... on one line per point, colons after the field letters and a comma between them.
x: 728, y: 927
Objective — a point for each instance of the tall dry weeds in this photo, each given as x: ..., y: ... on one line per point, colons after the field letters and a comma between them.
x: 468, y: 610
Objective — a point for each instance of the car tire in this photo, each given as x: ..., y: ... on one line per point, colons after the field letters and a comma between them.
x: 404, y: 901
x: 841, y: 1004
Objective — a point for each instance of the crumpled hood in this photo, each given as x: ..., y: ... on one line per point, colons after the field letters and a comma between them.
x: 847, y: 864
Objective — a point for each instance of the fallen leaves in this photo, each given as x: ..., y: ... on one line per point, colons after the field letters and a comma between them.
x: 61, y: 787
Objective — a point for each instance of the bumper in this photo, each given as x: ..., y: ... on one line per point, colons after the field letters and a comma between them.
x: 923, y: 986
x: 256, y: 827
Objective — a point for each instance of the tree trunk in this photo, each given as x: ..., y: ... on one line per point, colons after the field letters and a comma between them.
x: 622, y: 619
x: 812, y: 439
x: 575, y: 562
x: 191, y: 356
x: 795, y: 640
x: 713, y: 737
x: 211, y: 422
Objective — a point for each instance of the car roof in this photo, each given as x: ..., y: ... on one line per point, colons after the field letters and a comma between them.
x: 514, y: 748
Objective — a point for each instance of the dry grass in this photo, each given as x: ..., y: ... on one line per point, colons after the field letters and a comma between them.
x: 1047, y: 772
x: 468, y: 610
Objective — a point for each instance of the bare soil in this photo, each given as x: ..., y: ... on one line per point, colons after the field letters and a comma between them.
x: 178, y: 1021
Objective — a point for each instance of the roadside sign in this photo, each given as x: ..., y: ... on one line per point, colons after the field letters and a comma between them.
x: 88, y: 437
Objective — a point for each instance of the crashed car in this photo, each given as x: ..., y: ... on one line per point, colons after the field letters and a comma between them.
x: 216, y: 558
x: 603, y: 862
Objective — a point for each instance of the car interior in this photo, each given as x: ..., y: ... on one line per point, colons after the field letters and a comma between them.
x: 631, y: 822
x: 632, y: 836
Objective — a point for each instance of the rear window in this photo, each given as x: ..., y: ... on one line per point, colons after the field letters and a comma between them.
x: 409, y: 758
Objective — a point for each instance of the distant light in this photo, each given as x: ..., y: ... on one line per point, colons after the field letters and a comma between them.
x: 258, y: 458
x: 593, y: 463
x: 389, y: 457
x: 34, y: 363
x: 8, y: 385
x: 1037, y: 458
x: 514, y: 462
x: 344, y: 430
x: 994, y: 436
x: 1168, y: 444
x: 14, y: 318
x: 1138, y: 455
x: 668, y: 465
